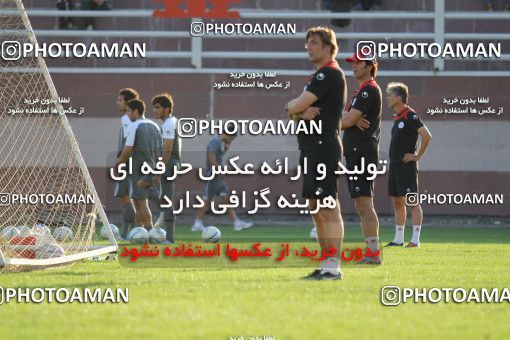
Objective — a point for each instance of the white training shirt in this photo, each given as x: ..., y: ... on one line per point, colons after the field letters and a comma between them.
x: 169, y: 127
x: 131, y: 134
x: 125, y: 122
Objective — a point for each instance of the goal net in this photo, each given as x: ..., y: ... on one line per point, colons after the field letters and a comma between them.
x: 48, y: 204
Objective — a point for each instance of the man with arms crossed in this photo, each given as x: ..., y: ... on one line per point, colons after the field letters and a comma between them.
x: 143, y: 145
x: 163, y: 105
x: 323, y: 100
x: 122, y: 188
x: 403, y: 177
x: 362, y: 123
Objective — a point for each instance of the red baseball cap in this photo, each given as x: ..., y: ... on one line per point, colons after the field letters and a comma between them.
x: 358, y: 57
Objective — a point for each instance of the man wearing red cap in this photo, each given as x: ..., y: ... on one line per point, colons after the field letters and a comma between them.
x: 323, y: 101
x: 361, y: 125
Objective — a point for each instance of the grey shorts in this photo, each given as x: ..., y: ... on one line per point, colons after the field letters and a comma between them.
x: 140, y: 194
x: 168, y: 187
x: 122, y: 188
x: 215, y: 187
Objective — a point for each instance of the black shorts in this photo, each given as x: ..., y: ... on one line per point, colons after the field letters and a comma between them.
x: 358, y: 185
x: 328, y: 186
x: 403, y: 179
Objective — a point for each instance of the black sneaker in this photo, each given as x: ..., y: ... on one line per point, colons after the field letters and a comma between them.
x: 312, y: 275
x: 327, y: 276
x: 412, y: 245
x: 370, y: 260
x: 393, y: 244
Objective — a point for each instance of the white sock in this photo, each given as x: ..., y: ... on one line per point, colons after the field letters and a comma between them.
x: 399, y: 234
x: 237, y: 221
x: 199, y: 222
x: 372, y: 243
x: 330, y: 265
x: 416, y: 234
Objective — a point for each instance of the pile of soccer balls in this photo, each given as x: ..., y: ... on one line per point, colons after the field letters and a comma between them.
x: 138, y: 235
x: 46, y: 241
x: 141, y: 235
x: 61, y: 234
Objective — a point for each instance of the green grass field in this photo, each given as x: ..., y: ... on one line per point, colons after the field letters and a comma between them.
x: 198, y: 303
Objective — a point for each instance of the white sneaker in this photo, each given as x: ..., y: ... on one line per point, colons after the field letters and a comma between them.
x: 313, y: 234
x: 241, y: 225
x: 160, y: 222
x: 197, y: 227
x: 331, y: 266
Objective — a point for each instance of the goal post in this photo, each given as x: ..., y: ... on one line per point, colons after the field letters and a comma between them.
x: 40, y: 158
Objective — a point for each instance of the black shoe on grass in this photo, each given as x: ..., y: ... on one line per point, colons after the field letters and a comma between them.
x: 312, y: 275
x: 327, y: 276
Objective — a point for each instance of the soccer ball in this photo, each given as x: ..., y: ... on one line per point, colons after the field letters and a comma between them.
x: 63, y: 234
x: 104, y: 232
x: 157, y: 235
x: 138, y: 235
x: 9, y: 232
x: 41, y: 228
x: 313, y: 234
x: 24, y: 231
x: 211, y: 235
x: 48, y: 250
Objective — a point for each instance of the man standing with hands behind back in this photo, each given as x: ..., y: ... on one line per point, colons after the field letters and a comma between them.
x: 362, y: 125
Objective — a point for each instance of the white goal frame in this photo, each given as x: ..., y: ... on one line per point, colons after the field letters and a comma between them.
x: 92, y: 250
